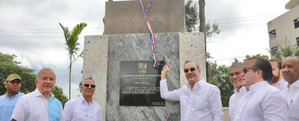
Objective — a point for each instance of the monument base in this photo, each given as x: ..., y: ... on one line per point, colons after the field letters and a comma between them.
x: 102, y: 60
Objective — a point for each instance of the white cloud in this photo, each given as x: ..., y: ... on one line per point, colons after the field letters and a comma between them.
x: 243, y: 25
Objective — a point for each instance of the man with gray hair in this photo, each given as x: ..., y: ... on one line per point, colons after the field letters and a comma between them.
x: 83, y: 108
x: 39, y: 105
x: 199, y: 100
x: 290, y: 72
x: 236, y: 78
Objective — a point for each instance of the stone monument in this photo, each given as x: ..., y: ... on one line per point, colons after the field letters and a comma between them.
x: 120, y: 61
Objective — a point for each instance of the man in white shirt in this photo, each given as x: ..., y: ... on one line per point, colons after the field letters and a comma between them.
x: 236, y: 73
x: 290, y: 71
x: 262, y: 102
x: 83, y: 108
x: 199, y: 100
x: 39, y: 105
x: 277, y: 79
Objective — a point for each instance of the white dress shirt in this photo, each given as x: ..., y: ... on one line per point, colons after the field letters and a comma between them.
x: 202, y: 103
x: 262, y: 102
x: 282, y: 85
x: 292, y: 95
x: 32, y: 107
x: 234, y: 100
x: 78, y: 110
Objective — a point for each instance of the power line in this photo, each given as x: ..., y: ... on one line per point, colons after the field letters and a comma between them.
x: 222, y: 22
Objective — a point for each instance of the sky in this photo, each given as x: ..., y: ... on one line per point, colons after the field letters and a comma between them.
x: 30, y: 30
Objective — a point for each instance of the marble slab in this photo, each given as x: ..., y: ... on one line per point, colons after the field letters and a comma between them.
x: 137, y: 47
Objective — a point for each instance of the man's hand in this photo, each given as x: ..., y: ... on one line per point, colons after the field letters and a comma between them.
x: 164, y: 72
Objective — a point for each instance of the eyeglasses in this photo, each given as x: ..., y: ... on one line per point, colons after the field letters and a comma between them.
x: 245, y: 70
x: 91, y: 85
x: 191, y: 69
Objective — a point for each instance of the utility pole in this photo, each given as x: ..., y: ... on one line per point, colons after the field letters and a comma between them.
x: 202, y: 28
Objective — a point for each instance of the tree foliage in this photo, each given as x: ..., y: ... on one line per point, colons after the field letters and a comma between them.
x: 59, y: 95
x: 283, y: 52
x: 220, y: 78
x: 9, y: 65
x: 192, y: 20
x: 266, y: 57
x: 212, y: 29
x: 71, y: 41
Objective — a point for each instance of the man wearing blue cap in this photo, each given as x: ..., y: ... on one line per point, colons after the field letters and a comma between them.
x: 9, y: 100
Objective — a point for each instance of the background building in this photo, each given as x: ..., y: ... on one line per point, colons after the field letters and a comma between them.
x: 284, y: 30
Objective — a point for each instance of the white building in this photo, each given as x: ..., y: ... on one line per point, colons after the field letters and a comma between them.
x: 284, y: 30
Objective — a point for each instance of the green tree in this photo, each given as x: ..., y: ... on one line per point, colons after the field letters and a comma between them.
x: 71, y: 41
x: 59, y: 95
x: 257, y: 55
x: 192, y: 18
x: 220, y: 78
x: 212, y: 29
x: 250, y: 56
x: 283, y: 52
x: 9, y: 65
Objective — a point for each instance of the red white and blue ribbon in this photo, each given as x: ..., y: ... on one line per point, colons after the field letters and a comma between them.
x: 152, y: 36
x: 166, y: 115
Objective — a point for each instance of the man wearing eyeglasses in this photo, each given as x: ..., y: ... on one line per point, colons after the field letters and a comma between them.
x: 41, y: 104
x: 262, y: 102
x: 9, y: 100
x: 199, y: 100
x: 290, y: 71
x: 83, y: 108
x: 236, y: 78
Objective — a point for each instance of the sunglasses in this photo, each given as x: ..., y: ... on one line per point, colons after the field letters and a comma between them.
x: 191, y: 69
x: 91, y: 85
x: 245, y: 70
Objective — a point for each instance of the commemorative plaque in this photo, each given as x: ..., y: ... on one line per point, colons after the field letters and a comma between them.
x: 140, y: 83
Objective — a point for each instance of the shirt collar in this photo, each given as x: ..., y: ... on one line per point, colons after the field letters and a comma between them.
x: 295, y: 84
x: 280, y: 82
x: 37, y: 93
x: 242, y: 89
x: 197, y: 84
x: 84, y: 101
x: 14, y: 95
x: 257, y: 85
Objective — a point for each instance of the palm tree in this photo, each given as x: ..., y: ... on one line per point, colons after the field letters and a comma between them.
x: 71, y: 41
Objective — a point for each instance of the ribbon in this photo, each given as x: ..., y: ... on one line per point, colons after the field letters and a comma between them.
x: 152, y: 36
x: 166, y: 117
